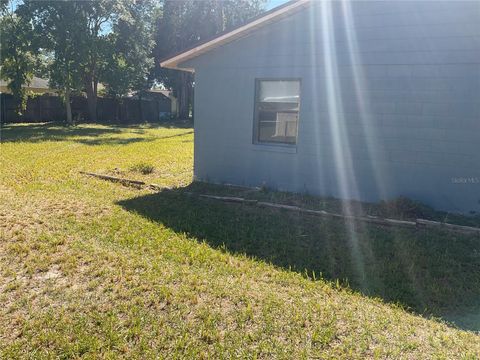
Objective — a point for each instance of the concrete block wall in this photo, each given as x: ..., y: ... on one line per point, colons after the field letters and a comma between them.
x: 390, y: 103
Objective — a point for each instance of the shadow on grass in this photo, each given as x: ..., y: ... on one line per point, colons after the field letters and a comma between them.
x: 82, y: 134
x: 51, y: 132
x: 114, y: 140
x: 431, y: 272
x: 130, y: 140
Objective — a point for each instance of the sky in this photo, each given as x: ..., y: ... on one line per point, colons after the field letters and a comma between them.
x: 273, y: 3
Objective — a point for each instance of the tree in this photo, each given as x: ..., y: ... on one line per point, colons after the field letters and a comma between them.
x: 61, y: 31
x: 19, y: 57
x: 64, y: 72
x: 3, y: 6
x: 110, y: 41
x: 130, y: 58
x: 75, y: 33
x: 95, y: 17
x: 92, y: 42
x: 186, y: 22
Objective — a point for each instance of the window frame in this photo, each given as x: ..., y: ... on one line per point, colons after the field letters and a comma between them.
x: 256, y: 122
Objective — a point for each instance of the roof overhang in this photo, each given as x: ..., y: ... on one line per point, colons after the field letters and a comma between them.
x: 271, y: 16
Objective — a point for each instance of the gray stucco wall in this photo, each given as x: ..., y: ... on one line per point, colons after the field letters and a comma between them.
x: 390, y: 103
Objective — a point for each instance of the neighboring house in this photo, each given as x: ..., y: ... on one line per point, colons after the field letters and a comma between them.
x: 173, y: 99
x: 363, y: 100
x: 168, y: 104
x: 37, y: 86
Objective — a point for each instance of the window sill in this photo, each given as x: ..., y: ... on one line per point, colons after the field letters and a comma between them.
x: 291, y: 149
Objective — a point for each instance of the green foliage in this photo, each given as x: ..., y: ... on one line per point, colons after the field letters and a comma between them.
x: 3, y: 6
x: 18, y: 58
x: 129, y: 57
x: 186, y: 22
x: 405, y: 208
x: 113, y: 42
x: 70, y: 34
x: 92, y: 42
x: 62, y: 36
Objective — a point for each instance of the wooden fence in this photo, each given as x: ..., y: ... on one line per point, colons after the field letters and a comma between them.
x: 51, y: 108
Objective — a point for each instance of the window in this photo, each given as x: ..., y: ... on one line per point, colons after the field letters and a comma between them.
x: 277, y: 105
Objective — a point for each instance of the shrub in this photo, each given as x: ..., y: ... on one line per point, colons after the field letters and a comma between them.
x: 405, y: 208
x: 143, y: 168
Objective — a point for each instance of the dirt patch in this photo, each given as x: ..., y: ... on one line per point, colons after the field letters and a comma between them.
x: 23, y: 214
x: 31, y: 276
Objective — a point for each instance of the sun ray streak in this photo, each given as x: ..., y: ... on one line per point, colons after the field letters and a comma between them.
x: 343, y: 164
x: 361, y: 93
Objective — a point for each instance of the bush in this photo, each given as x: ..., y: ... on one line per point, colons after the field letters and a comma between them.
x: 143, y: 168
x: 405, y: 208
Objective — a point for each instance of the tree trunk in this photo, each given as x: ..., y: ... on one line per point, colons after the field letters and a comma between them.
x: 68, y: 106
x: 184, y: 96
x: 91, y: 90
x: 140, y: 104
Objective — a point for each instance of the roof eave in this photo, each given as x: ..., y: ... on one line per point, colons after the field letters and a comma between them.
x: 174, y: 61
x: 175, y: 66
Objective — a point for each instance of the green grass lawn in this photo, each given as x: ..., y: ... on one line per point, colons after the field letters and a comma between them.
x: 94, y: 269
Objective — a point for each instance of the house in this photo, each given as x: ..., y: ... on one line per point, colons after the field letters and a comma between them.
x: 166, y: 102
x: 364, y: 100
x: 169, y: 103
x: 37, y: 86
